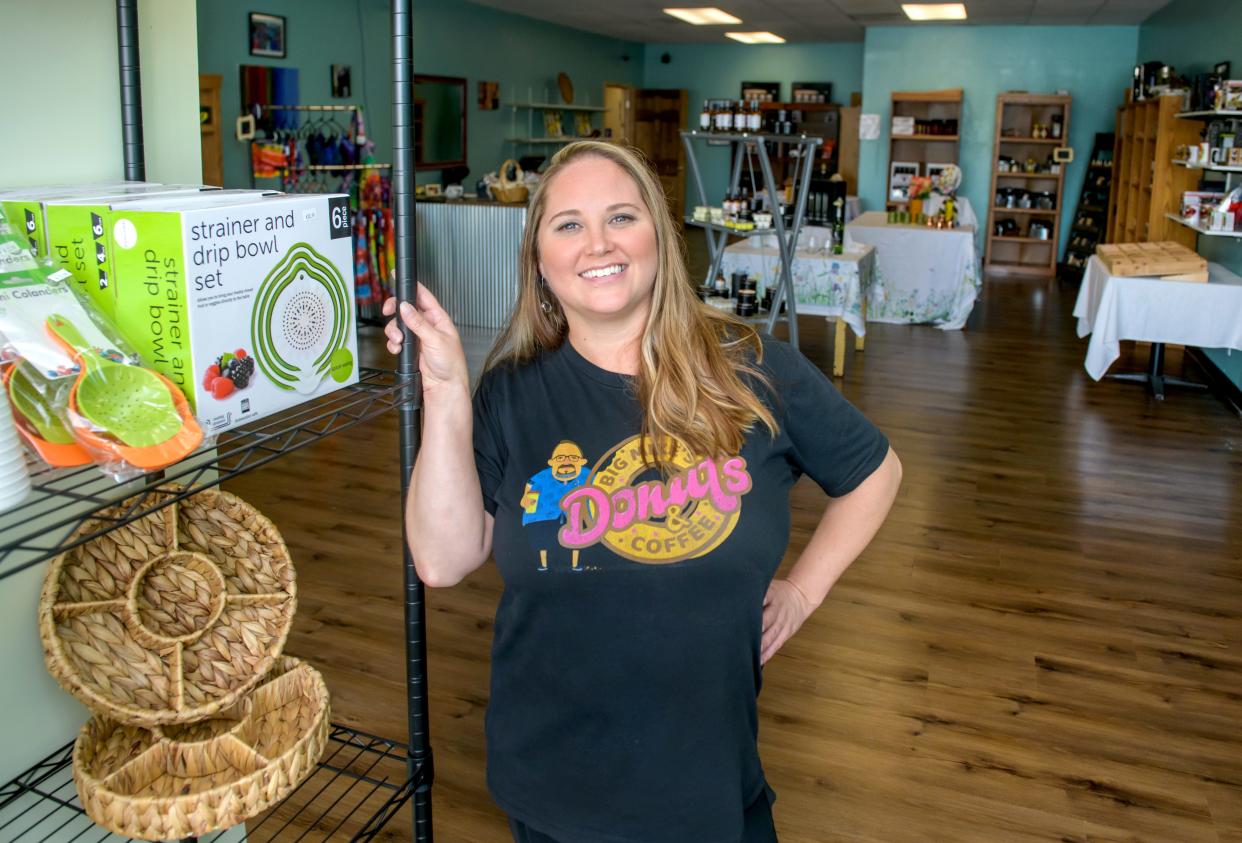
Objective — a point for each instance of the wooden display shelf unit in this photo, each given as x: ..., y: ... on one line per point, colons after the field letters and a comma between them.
x: 1016, y: 116
x: 1147, y: 184
x: 923, y: 149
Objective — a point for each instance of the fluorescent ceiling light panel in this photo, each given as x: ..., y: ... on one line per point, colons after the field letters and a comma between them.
x: 934, y: 11
x: 756, y: 37
x: 702, y: 16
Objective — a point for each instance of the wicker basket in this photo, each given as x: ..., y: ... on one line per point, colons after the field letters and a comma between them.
x: 510, y: 190
x: 171, y: 782
x: 173, y: 617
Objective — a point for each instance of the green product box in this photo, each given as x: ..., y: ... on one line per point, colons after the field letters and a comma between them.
x: 74, y: 234
x: 258, y: 293
x: 24, y: 206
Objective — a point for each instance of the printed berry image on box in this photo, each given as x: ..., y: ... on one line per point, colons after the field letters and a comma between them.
x: 247, y: 307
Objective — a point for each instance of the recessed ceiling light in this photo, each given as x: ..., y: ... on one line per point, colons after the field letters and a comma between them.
x: 756, y: 37
x: 934, y: 11
x: 702, y: 16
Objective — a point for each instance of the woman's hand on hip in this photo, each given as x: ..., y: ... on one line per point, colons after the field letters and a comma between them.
x: 785, y: 609
x: 441, y: 359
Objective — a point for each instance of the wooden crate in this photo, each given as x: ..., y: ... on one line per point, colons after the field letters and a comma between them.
x: 1166, y: 258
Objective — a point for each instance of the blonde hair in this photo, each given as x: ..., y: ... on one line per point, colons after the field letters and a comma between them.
x: 692, y: 357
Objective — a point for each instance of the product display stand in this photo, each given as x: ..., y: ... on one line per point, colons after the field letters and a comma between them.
x: 1147, y: 185
x: 1091, y: 215
x: 362, y: 781
x: 1033, y: 251
x: 934, y: 143
x: 744, y: 145
x: 538, y: 135
x: 1199, y: 172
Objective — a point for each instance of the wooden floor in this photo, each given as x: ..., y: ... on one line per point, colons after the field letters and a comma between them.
x: 1043, y: 643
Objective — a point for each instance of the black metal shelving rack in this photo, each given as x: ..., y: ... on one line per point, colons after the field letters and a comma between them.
x: 362, y: 781
x: 1091, y: 215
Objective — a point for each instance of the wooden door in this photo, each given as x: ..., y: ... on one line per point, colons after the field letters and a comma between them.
x: 619, y: 113
x: 209, y: 128
x: 847, y: 147
x: 659, y: 117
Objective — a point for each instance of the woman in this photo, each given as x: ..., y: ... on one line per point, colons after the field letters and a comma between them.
x: 627, y: 461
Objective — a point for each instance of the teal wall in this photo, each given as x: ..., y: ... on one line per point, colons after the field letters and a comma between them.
x: 1092, y: 63
x: 450, y: 39
x: 1193, y: 36
x: 716, y: 71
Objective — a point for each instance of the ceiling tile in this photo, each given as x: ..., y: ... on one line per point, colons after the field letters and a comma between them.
x: 803, y: 21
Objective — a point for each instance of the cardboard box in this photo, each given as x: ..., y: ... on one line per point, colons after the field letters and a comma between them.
x: 1165, y: 258
x: 269, y: 281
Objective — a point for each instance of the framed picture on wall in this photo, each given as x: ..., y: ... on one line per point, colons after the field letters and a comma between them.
x: 340, y: 80
x: 267, y: 35
x: 489, y: 96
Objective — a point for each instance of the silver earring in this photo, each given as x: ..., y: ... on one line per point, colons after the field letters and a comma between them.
x: 544, y: 304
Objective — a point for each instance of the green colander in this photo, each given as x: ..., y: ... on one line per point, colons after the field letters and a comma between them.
x: 35, y: 397
x: 129, y: 402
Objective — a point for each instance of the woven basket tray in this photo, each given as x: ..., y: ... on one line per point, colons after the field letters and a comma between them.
x: 172, y: 618
x: 170, y: 782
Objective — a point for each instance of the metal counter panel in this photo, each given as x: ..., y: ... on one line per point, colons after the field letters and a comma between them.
x: 468, y: 258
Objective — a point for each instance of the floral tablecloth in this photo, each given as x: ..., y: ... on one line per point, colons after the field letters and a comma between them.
x: 922, y: 274
x: 824, y: 284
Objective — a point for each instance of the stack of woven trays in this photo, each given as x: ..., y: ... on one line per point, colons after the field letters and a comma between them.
x: 170, y: 629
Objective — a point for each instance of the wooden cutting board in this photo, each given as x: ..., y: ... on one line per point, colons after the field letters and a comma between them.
x: 1170, y: 260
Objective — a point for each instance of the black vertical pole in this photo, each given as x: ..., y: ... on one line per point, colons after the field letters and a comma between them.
x: 407, y: 370
x: 131, y: 90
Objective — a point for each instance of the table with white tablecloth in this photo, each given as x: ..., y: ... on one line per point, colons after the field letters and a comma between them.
x: 824, y: 284
x: 1114, y: 308
x: 922, y: 274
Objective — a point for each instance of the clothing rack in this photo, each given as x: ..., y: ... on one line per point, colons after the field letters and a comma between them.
x: 363, y: 781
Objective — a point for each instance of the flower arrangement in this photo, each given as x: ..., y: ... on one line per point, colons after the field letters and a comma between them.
x: 948, y: 180
x: 920, y: 187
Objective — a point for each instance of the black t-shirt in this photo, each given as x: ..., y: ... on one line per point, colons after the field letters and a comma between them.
x: 625, y: 663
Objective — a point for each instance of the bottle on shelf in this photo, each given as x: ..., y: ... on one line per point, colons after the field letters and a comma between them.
x: 724, y: 122
x: 705, y: 117
x: 838, y: 226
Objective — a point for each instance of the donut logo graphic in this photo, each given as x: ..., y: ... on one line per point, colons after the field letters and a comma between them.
x: 629, y: 508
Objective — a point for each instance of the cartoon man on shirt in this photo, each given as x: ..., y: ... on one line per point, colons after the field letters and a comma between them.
x: 541, y: 510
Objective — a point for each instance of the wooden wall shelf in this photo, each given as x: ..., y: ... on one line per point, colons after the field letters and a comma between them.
x: 923, y: 149
x: 1022, y: 254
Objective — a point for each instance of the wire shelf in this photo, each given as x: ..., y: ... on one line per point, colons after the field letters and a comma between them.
x: 62, y: 499
x: 361, y: 782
